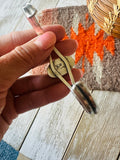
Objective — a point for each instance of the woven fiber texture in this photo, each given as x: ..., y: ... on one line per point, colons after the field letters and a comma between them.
x: 98, y: 54
x: 7, y: 152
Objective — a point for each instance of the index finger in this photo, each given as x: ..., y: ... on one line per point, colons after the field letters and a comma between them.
x: 14, y: 39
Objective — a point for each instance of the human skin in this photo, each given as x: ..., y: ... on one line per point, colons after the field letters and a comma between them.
x: 20, y: 52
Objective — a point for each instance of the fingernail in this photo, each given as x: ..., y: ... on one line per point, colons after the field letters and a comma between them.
x: 46, y: 40
x: 81, y: 72
x: 1, y: 109
x: 76, y: 43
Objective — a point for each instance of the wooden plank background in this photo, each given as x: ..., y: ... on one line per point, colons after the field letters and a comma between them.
x: 62, y: 130
x: 98, y: 136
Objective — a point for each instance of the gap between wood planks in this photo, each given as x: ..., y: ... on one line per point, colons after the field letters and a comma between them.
x: 29, y: 129
x: 57, y: 3
x: 118, y: 157
x: 73, y: 135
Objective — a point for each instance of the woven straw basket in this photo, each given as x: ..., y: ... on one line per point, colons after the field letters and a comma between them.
x: 106, y: 13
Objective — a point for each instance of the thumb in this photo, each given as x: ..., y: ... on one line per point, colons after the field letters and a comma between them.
x: 27, y: 56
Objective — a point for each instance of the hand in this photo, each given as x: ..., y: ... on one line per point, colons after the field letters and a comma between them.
x: 20, y: 52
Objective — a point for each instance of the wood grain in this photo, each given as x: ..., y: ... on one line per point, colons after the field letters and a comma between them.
x: 64, y: 3
x: 98, y: 137
x: 19, y: 128
x: 10, y: 15
x: 52, y: 130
